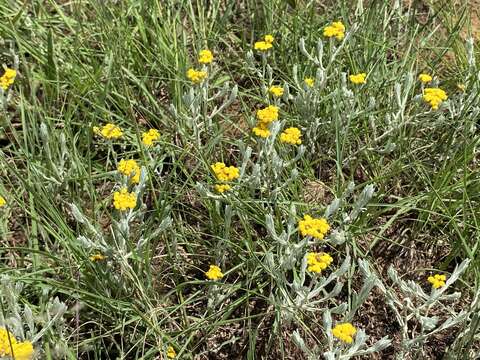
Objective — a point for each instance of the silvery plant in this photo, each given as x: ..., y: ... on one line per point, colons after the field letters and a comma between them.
x: 42, y: 323
x: 318, y: 293
x: 118, y: 245
x: 417, y: 311
x: 201, y: 104
x: 336, y: 349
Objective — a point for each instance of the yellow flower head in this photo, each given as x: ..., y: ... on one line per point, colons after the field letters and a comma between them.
x: 261, y: 130
x: 309, y: 81
x: 335, y: 29
x: 276, y: 91
x: 3, y: 202
x: 196, y: 76
x: 437, y: 280
x: 358, y: 78
x: 318, y: 261
x: 150, y: 136
x: 205, y: 57
x: 130, y: 169
x: 214, y: 273
x: 291, y: 136
x: 268, y: 114
x: 269, y: 39
x: 344, y: 332
x: 11, y: 348
x: 424, y: 78
x: 171, y: 353
x: 221, y: 188
x: 7, y: 78
x: 316, y: 228
x: 225, y: 173
x: 109, y: 131
x: 6, y: 338
x: 434, y: 97
x: 262, y: 46
x: 97, y: 257
x: 123, y: 200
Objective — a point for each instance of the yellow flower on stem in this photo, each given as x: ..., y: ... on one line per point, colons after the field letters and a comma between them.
x: 97, y: 257
x: 269, y: 38
x: 8, y: 78
x: 108, y: 131
x: 358, y: 78
x: 150, y: 136
x: 261, y: 130
x: 3, y: 202
x: 335, y: 29
x: 344, y: 332
x: 196, y: 76
x: 225, y: 173
x: 205, y: 57
x: 309, y: 81
x: 123, y: 200
x: 11, y: 348
x: 268, y: 114
x: 316, y: 228
x: 264, y: 44
x: 424, y: 78
x: 171, y: 353
x: 214, y: 273
x: 291, y: 136
x: 318, y: 261
x: 276, y: 91
x: 130, y: 169
x: 437, y: 280
x: 434, y: 97
x: 221, y: 188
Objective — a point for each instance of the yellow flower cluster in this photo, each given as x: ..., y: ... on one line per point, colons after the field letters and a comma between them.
x: 309, y: 81
x: 214, y: 273
x: 97, y: 257
x: 196, y: 76
x: 276, y: 91
x: 265, y: 44
x: 7, y: 78
x: 11, y: 348
x: 171, y: 353
x: 150, y: 136
x: 358, y: 78
x: 291, y: 136
x: 424, y: 78
x: 224, y: 173
x: 221, y: 188
x: 434, y: 96
x: 344, y: 332
x: 108, y: 131
x: 130, y: 169
x: 124, y: 200
x: 437, y: 280
x: 335, y: 29
x: 318, y: 261
x: 265, y: 117
x: 316, y: 228
x: 205, y: 57
x: 3, y: 202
